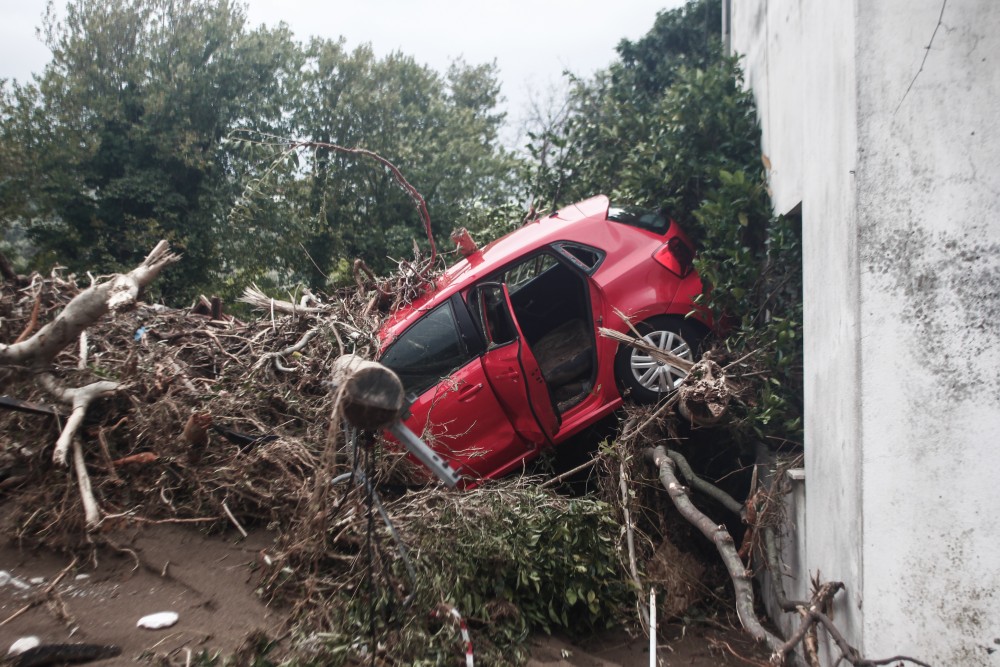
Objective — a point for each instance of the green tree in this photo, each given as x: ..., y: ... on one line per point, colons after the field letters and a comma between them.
x: 126, y: 122
x: 669, y: 126
x: 439, y: 130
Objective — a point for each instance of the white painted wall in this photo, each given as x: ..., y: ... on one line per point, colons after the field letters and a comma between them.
x: 774, y: 75
x: 900, y: 187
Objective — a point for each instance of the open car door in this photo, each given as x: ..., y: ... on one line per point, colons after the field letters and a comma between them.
x: 511, y: 368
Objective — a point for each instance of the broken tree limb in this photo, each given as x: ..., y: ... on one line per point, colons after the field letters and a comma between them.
x: 256, y: 298
x: 699, y: 484
x: 90, y: 510
x: 630, y: 542
x: 656, y: 353
x: 569, y: 473
x: 851, y: 654
x: 278, y: 357
x: 371, y: 395
x: 723, y: 543
x: 80, y: 399
x: 820, y: 600
x: 777, y: 576
x: 85, y: 309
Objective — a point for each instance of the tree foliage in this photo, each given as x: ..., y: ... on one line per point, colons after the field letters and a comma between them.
x: 122, y: 140
x: 440, y: 130
x: 670, y: 126
x: 127, y: 120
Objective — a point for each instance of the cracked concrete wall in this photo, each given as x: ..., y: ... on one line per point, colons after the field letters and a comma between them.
x: 900, y: 187
x: 929, y: 250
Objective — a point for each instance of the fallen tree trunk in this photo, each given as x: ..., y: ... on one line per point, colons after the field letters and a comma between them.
x: 723, y: 543
x: 85, y: 309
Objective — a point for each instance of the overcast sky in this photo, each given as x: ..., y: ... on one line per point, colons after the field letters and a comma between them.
x: 532, y: 41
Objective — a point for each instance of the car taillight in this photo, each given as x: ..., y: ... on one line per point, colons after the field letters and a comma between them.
x: 676, y: 256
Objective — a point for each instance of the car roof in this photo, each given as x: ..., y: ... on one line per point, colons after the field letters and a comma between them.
x: 490, y: 258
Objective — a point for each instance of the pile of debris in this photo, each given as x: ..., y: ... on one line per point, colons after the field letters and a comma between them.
x: 197, y: 416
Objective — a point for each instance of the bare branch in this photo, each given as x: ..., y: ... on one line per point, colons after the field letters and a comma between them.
x: 85, y: 309
x: 723, y: 543
x: 80, y: 398
x: 630, y: 542
x: 90, y: 509
x: 699, y: 484
x: 256, y: 298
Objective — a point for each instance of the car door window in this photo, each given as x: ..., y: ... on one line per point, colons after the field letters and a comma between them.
x: 520, y: 275
x: 428, y: 351
x: 489, y: 310
x: 583, y: 257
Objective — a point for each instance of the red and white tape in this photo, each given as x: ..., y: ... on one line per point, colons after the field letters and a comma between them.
x: 463, y: 628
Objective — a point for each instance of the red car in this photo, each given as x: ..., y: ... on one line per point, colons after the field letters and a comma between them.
x: 503, y: 355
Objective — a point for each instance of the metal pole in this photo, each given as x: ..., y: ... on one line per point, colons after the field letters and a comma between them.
x: 652, y: 627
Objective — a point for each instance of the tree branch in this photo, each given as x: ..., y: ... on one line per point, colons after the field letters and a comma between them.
x: 80, y: 398
x: 723, y: 543
x: 85, y: 309
x: 90, y: 509
x: 699, y: 484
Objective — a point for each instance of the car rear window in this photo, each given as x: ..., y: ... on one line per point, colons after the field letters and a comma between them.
x: 643, y: 218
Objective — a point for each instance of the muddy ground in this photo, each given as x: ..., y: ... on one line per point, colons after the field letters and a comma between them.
x: 211, y: 582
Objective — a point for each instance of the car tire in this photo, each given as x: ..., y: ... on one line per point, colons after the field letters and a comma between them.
x: 642, y: 379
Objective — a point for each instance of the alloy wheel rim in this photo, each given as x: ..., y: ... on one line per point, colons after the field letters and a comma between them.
x: 657, y: 376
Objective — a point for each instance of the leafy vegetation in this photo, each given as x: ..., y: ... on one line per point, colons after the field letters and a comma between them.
x: 669, y: 126
x: 512, y: 558
x: 123, y: 140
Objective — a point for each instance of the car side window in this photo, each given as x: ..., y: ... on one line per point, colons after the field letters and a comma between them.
x: 428, y: 351
x: 585, y: 258
x: 489, y: 310
x: 520, y: 275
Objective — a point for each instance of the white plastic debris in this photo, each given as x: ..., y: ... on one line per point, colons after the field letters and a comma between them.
x: 82, y: 577
x: 7, y: 578
x: 23, y: 644
x: 36, y: 581
x: 163, y: 619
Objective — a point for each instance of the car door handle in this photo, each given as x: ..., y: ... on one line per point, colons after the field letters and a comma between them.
x: 467, y: 392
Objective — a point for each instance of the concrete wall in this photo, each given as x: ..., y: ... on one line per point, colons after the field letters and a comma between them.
x: 900, y: 187
x: 774, y: 74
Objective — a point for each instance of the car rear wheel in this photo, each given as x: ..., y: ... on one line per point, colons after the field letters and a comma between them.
x: 643, y: 378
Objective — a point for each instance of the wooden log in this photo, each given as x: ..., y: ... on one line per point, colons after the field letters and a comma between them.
x: 371, y: 396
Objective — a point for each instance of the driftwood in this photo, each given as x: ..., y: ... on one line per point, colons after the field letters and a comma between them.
x: 85, y: 309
